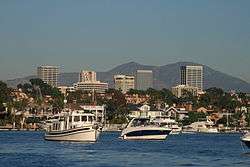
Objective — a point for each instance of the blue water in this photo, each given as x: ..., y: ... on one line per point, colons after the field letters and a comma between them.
x: 29, y: 149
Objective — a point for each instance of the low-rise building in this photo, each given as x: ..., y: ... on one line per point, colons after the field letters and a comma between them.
x: 87, y: 82
x: 180, y: 90
x: 204, y: 110
x: 65, y: 89
x: 98, y: 111
x: 98, y: 87
x: 124, y: 82
x: 174, y: 112
x: 144, y: 111
x: 136, y: 98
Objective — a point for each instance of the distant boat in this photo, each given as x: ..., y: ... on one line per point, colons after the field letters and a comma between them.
x: 143, y: 129
x: 72, y: 126
x: 201, y: 127
x: 165, y: 121
x: 246, y: 139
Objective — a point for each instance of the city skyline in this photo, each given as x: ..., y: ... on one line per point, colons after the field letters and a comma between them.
x: 80, y: 34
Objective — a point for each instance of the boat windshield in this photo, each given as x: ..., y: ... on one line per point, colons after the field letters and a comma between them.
x: 140, y: 122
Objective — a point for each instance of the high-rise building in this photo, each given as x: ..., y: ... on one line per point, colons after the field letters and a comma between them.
x: 87, y: 76
x: 49, y: 74
x: 87, y: 82
x: 124, y: 82
x: 144, y: 79
x: 192, y: 76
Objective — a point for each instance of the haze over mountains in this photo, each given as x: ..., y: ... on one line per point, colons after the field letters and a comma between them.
x: 164, y: 76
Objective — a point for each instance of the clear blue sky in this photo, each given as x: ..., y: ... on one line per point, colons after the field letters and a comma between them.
x: 97, y: 35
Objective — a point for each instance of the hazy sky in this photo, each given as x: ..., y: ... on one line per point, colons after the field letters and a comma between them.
x: 97, y: 35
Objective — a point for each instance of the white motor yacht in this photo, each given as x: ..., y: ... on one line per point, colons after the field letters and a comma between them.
x: 201, y: 127
x: 165, y: 121
x: 72, y: 126
x: 246, y: 139
x: 143, y: 129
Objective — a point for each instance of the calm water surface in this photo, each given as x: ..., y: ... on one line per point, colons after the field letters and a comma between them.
x: 29, y: 149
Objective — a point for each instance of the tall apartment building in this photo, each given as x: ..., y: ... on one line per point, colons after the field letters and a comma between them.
x: 192, y: 76
x: 124, y: 82
x: 87, y: 82
x: 144, y: 79
x: 49, y: 74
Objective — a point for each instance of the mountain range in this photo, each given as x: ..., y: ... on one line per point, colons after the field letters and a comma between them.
x: 164, y: 76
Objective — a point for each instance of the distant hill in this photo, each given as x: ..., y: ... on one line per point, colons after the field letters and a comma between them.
x: 164, y: 76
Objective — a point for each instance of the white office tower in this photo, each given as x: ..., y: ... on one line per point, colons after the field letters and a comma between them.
x: 49, y: 74
x: 192, y: 76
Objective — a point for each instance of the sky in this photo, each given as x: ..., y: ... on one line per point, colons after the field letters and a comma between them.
x: 98, y: 35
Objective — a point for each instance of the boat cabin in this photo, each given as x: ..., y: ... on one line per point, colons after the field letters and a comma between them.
x: 72, y: 120
x: 139, y: 122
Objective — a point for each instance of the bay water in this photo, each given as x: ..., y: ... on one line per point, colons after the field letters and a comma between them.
x: 24, y: 149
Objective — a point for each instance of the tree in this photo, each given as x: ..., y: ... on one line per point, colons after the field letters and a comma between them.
x: 193, y: 117
x: 20, y: 105
x: 116, y: 107
x: 135, y: 91
x: 58, y: 104
x: 204, y: 100
x: 244, y: 98
x: 214, y: 94
x: 188, y: 97
x: 76, y: 96
x: 169, y: 98
x: 4, y: 94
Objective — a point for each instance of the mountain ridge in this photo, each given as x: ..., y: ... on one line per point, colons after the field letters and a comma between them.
x: 165, y: 76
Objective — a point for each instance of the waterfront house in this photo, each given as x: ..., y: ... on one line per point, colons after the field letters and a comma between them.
x: 175, y: 112
x: 204, y: 110
x: 144, y: 111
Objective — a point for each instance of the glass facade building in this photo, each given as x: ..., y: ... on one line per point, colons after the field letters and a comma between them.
x: 144, y: 79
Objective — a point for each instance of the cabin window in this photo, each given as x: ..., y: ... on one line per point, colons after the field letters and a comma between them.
x: 76, y: 118
x: 84, y: 118
x: 55, y: 126
x: 90, y: 119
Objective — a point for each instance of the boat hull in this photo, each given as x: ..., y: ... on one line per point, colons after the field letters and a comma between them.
x: 208, y: 130
x: 175, y: 132
x: 77, y: 135
x: 247, y: 143
x: 246, y: 140
x: 146, y: 135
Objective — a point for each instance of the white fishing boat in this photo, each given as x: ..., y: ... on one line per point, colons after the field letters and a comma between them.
x: 143, y: 129
x: 72, y: 126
